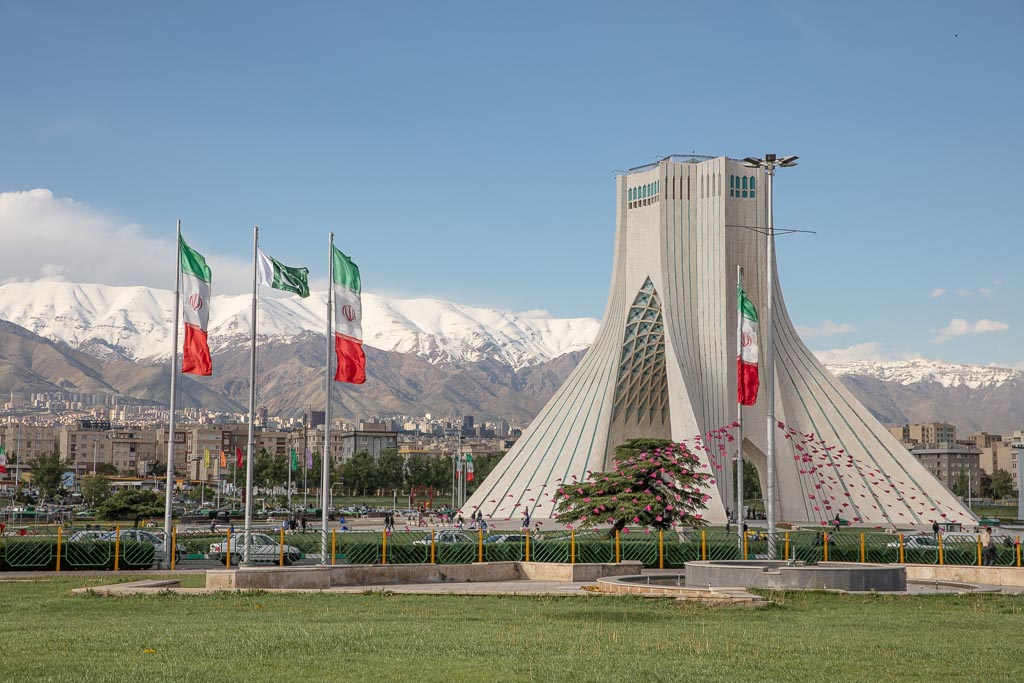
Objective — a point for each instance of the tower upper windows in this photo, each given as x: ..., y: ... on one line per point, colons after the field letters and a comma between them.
x: 742, y: 187
x: 642, y: 195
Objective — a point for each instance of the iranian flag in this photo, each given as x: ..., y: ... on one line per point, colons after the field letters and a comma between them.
x: 469, y: 467
x: 747, y: 379
x: 195, y: 310
x: 275, y: 274
x: 348, y: 313
x: 3, y: 461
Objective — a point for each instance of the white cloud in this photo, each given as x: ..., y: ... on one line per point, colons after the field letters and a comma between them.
x: 985, y: 292
x: 825, y: 329
x: 964, y: 292
x: 959, y: 327
x: 51, y: 238
x: 869, y: 351
x: 937, y: 292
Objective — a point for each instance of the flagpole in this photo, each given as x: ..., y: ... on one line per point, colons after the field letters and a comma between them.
x: 169, y: 484
x: 769, y: 368
x: 252, y: 400
x: 291, y: 463
x: 328, y: 381
x: 739, y: 413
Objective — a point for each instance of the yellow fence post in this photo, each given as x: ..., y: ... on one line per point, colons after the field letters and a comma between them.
x: 746, y: 546
x: 480, y: 545
x: 334, y: 544
x: 433, y: 548
x: 117, y: 548
x: 572, y: 548
x: 174, y: 545
x: 903, y: 557
x: 383, y: 547
x: 785, y: 555
x: 527, y: 545
x: 227, y: 550
x: 1018, y: 551
x: 979, y: 551
x: 703, y: 546
x: 824, y: 548
x: 280, y: 549
x: 618, y: 549
x: 58, y: 550
x: 942, y: 556
x: 661, y: 548
x: 863, y: 549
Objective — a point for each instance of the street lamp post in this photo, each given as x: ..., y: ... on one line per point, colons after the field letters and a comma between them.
x: 769, y: 163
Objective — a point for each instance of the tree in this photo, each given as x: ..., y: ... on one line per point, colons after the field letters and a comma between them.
x: 751, y: 482
x: 269, y: 470
x: 960, y: 487
x: 95, y: 489
x: 390, y: 470
x: 651, y: 483
x: 360, y: 472
x: 985, y: 486
x: 1002, y: 483
x: 417, y: 469
x: 107, y: 468
x: 48, y: 474
x: 131, y: 503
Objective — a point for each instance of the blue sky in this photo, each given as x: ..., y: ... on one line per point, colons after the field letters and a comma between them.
x: 466, y: 151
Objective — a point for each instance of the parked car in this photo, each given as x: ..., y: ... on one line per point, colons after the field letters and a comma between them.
x: 262, y: 548
x: 910, y: 542
x: 446, y: 536
x: 86, y: 535
x: 142, y: 536
x: 509, y: 538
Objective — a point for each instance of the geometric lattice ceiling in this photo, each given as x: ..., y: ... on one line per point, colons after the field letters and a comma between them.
x: 641, y: 391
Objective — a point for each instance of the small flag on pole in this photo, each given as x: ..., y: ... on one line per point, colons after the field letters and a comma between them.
x: 295, y: 460
x: 3, y: 461
x: 309, y: 459
x: 223, y: 458
x: 275, y: 274
x: 747, y: 379
x: 206, y: 458
x: 238, y: 456
x: 469, y: 467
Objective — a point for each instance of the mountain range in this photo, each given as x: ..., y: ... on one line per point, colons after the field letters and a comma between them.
x: 423, y: 355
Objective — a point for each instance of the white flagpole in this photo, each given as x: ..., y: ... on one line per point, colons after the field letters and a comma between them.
x: 252, y: 401
x: 169, y: 484
x: 739, y: 413
x: 325, y: 483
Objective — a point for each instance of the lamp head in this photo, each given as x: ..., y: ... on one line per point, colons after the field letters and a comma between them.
x: 753, y: 162
x: 788, y: 161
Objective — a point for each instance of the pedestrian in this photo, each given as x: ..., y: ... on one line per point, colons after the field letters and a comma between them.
x: 138, y: 519
x: 303, y: 521
x: 988, y: 548
x: 213, y: 526
x: 935, y: 529
x: 526, y: 520
x: 728, y: 524
x: 837, y: 522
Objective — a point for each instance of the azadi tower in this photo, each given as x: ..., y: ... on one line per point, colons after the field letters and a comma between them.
x: 663, y: 365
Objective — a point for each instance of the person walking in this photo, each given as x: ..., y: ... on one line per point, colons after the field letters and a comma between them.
x: 526, y: 520
x: 302, y: 521
x: 935, y: 529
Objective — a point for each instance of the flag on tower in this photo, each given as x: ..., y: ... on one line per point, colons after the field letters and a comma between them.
x: 469, y: 467
x: 747, y: 379
x: 348, y: 330
x: 195, y: 310
x: 275, y: 274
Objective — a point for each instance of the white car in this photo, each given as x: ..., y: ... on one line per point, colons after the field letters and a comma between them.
x: 920, y: 542
x: 446, y: 536
x: 262, y: 548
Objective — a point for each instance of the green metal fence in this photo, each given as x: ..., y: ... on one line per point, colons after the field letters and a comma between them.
x: 50, y: 548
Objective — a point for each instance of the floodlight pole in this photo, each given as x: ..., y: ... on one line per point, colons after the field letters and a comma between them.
x: 769, y: 163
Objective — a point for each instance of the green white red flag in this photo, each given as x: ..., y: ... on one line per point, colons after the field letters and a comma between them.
x: 195, y: 310
x: 469, y: 467
x: 3, y: 461
x: 747, y: 379
x: 348, y: 313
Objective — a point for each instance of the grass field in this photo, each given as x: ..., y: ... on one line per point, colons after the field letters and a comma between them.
x: 50, y: 635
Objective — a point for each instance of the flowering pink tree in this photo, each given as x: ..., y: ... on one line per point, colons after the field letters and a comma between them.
x: 653, y: 482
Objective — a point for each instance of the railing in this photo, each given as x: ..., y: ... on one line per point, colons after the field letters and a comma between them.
x: 64, y: 549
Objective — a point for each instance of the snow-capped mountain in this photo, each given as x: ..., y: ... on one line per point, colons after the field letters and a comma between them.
x: 909, y: 372
x: 135, y: 323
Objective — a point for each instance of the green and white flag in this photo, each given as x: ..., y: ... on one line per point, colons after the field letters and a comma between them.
x: 275, y: 274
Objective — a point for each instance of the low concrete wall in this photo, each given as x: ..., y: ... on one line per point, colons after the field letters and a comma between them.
x: 848, y: 576
x: 989, y: 576
x: 320, y: 578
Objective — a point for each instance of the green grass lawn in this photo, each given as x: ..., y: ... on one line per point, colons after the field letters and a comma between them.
x: 51, y: 635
